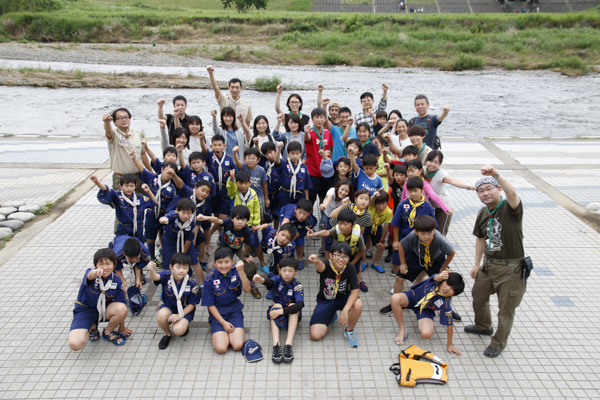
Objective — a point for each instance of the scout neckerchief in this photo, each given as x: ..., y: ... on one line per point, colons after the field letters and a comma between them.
x: 359, y: 213
x: 338, y: 276
x: 220, y: 170
x: 276, y: 246
x: 158, y: 193
x: 181, y: 233
x: 413, y: 212
x: 245, y: 197
x: 378, y: 218
x: 179, y: 293
x: 425, y: 300
x: 422, y: 148
x: 131, y: 270
x: 269, y: 170
x: 133, y: 204
x: 491, y: 215
x: 321, y: 144
x: 101, y: 305
x: 429, y: 175
x: 198, y: 205
x: 427, y: 257
x: 293, y: 181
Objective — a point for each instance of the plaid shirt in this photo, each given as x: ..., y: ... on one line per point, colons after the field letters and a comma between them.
x: 364, y: 117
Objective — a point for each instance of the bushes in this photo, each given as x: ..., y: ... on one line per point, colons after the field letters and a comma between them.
x: 463, y: 62
x: 332, y: 59
x: 378, y: 61
x: 267, y: 84
x: 7, y: 6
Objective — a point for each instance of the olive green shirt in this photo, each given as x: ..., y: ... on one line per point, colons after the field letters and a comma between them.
x: 507, y: 231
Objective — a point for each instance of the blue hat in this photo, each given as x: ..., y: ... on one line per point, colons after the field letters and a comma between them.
x: 252, y: 351
x: 327, y: 168
x: 137, y: 301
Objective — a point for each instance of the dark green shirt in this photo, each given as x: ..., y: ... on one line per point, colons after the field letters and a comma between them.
x: 507, y: 231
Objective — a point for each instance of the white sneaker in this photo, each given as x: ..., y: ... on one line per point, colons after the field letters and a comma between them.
x: 392, y: 291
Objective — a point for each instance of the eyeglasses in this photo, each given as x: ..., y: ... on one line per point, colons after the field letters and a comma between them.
x: 341, y: 257
x: 122, y: 118
x: 295, y: 102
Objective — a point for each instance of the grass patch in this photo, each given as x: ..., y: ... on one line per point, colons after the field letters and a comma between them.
x: 5, y: 240
x: 378, y: 61
x: 463, y: 62
x: 266, y: 83
x: 129, y: 48
x: 333, y: 59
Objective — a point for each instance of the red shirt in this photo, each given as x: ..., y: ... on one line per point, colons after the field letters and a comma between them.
x: 313, y: 159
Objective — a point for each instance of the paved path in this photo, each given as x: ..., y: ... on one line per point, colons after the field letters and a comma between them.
x: 553, y: 350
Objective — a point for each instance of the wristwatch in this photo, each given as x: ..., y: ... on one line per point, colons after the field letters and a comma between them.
x: 496, y: 176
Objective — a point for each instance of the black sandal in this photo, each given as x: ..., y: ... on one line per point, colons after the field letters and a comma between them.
x: 94, y: 335
x: 116, y: 337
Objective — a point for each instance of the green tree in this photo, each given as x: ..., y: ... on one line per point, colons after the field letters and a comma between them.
x: 245, y: 6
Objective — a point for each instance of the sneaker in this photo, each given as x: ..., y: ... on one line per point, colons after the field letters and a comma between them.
x: 363, y: 286
x: 277, y: 356
x: 378, y: 268
x: 322, y: 251
x: 256, y: 293
x: 143, y: 279
x: 164, y: 342
x: 204, y: 265
x: 265, y: 269
x: 288, y: 354
x: 351, y: 337
x: 158, y: 263
x: 300, y: 265
x: 208, y: 252
x: 392, y: 291
x: 369, y: 254
x: 335, y: 318
x: 269, y: 295
x: 471, y: 329
x: 392, y: 273
x: 253, y: 251
x: 389, y: 257
x: 456, y: 316
x: 363, y: 267
x: 386, y: 310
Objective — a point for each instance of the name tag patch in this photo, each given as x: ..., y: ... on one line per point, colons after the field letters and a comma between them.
x: 113, y: 285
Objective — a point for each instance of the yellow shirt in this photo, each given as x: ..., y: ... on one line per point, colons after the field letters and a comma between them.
x: 381, y: 170
x: 385, y: 216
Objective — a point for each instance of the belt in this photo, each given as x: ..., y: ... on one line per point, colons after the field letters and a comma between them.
x: 289, y: 191
x: 81, y: 304
x: 503, y: 261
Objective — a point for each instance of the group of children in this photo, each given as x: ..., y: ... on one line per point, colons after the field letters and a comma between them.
x: 258, y: 201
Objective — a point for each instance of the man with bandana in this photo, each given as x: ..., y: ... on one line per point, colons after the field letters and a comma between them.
x: 499, y: 232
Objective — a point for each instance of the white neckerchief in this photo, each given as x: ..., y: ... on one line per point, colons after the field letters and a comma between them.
x: 101, y: 306
x: 272, y: 249
x: 158, y: 193
x: 179, y: 293
x: 181, y: 233
x: 220, y: 170
x: 134, y: 205
x: 293, y: 181
x: 197, y: 205
x: 131, y: 268
x: 269, y: 170
x: 245, y: 198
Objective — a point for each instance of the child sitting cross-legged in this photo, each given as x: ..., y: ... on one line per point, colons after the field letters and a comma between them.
x: 286, y: 312
x: 180, y: 296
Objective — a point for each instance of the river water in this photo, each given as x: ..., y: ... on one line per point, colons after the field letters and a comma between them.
x: 483, y: 104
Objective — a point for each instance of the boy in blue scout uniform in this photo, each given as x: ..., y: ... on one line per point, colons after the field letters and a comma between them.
x: 178, y: 234
x: 299, y: 215
x: 424, y: 298
x: 131, y: 252
x: 294, y: 179
x: 194, y: 172
x: 279, y: 243
x: 286, y: 312
x: 271, y: 162
x: 170, y: 154
x: 129, y: 206
x: 165, y: 189
x: 101, y: 298
x: 180, y: 296
x: 222, y: 287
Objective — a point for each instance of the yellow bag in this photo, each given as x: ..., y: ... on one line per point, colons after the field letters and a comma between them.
x: 416, y: 353
x: 411, y: 371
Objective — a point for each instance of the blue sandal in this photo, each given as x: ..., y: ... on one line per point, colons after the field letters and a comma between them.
x: 94, y: 335
x: 117, y: 336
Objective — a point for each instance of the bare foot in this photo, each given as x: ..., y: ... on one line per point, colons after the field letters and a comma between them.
x: 401, y: 338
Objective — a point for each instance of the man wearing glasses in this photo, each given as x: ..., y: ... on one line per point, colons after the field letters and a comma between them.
x: 121, y: 141
x: 499, y: 232
x: 368, y: 114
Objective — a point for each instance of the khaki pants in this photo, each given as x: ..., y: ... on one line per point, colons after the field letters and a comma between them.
x: 443, y: 221
x: 500, y: 278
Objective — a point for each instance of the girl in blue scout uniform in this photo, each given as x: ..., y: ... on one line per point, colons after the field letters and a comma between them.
x: 180, y: 296
x: 299, y: 215
x: 271, y: 162
x: 129, y: 206
x: 285, y: 313
x: 178, y: 234
x: 294, y: 179
x: 101, y: 298
x: 424, y: 298
x: 131, y: 252
x: 222, y: 287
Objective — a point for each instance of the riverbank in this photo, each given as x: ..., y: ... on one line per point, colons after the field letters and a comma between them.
x: 566, y: 43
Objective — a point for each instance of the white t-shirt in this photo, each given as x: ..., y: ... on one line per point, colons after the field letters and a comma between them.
x: 440, y: 189
x: 400, y: 144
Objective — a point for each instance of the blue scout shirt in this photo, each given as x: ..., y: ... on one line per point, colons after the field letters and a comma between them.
x: 437, y: 302
x: 235, y: 240
x: 272, y: 180
x: 187, y: 192
x: 302, y: 178
x: 284, y: 294
x: 257, y: 177
x: 213, y: 169
x: 171, y: 229
x: 402, y: 213
x: 191, y: 177
x: 223, y: 291
x: 370, y: 148
x: 269, y: 241
x: 166, y: 195
x: 364, y: 182
x: 89, y: 291
x: 191, y: 294
x: 289, y: 211
x: 117, y: 246
x: 125, y: 212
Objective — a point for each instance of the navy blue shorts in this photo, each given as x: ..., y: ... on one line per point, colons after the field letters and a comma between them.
x: 415, y: 268
x: 221, y: 203
x: 235, y: 318
x: 285, y: 199
x: 189, y: 317
x: 274, y: 208
x: 376, y: 238
x: 84, y: 317
x: 282, y: 321
x: 168, y: 250
x: 300, y: 241
x: 151, y: 225
x: 412, y: 302
x: 326, y: 309
x: 200, y: 238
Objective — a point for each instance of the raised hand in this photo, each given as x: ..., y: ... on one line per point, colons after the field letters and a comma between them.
x: 210, y: 69
x: 313, y: 258
x: 213, y: 113
x: 107, y: 118
x: 385, y: 87
x: 279, y: 88
x: 94, y: 179
x: 161, y: 102
x: 446, y: 109
x: 235, y: 149
x: 280, y: 117
x: 162, y: 123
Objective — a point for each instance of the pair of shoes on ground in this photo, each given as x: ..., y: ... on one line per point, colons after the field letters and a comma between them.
x: 490, y: 351
x: 376, y: 267
x: 287, y: 355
